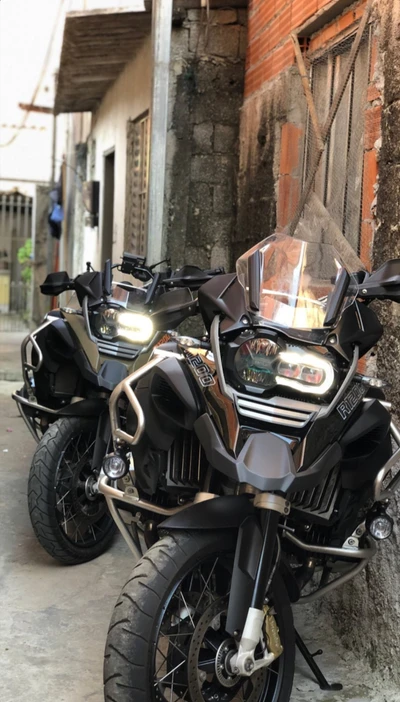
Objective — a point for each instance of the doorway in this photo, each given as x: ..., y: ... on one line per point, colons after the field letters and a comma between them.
x: 108, y: 208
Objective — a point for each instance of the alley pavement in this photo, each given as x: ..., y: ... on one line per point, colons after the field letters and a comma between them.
x: 54, y: 619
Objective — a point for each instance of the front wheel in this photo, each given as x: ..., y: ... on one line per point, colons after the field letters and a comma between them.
x: 71, y: 522
x: 167, y: 639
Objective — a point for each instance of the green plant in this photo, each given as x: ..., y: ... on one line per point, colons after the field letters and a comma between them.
x: 25, y: 259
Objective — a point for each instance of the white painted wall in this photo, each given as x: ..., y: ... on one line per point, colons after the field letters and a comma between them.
x: 128, y: 98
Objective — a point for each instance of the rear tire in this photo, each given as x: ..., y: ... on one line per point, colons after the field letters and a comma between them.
x: 135, y: 634
x: 58, y: 505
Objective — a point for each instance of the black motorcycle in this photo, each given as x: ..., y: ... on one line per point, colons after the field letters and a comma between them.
x: 296, y: 459
x: 78, y: 355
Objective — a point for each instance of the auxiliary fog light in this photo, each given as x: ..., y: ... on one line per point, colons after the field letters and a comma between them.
x: 114, y: 467
x: 379, y: 525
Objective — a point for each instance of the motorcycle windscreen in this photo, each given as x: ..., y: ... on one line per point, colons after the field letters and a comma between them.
x: 292, y: 284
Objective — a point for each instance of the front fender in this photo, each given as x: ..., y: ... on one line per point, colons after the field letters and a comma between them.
x: 226, y: 512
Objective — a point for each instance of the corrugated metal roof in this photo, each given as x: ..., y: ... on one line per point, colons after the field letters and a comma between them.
x: 96, y: 47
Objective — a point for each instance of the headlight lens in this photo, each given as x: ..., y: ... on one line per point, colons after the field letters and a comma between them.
x: 132, y: 326
x: 262, y: 362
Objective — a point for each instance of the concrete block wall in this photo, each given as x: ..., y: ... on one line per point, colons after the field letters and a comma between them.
x: 206, y: 93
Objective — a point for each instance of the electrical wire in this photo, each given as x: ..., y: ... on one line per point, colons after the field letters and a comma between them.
x: 42, y: 74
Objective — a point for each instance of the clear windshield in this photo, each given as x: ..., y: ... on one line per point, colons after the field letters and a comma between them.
x: 129, y: 297
x: 290, y: 282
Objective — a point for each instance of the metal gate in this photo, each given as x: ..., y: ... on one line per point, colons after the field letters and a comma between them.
x: 15, y: 261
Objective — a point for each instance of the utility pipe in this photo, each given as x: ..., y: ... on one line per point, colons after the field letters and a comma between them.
x: 161, y: 52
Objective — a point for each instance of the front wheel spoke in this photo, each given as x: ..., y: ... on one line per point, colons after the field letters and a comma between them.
x: 168, y: 674
x: 206, y: 662
x: 213, y: 640
x: 171, y: 643
x: 187, y: 609
x: 206, y: 583
x: 63, y: 497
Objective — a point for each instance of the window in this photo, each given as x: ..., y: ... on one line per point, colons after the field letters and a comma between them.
x: 338, y: 183
x: 137, y: 177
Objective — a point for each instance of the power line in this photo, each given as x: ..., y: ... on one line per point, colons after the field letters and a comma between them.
x: 42, y: 74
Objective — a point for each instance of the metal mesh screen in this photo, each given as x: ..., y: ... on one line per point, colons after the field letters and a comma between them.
x: 338, y: 181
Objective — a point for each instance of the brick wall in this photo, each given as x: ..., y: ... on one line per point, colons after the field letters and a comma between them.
x: 275, y: 105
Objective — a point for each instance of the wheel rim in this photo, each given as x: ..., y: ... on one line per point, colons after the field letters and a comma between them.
x: 82, y: 516
x: 189, y: 648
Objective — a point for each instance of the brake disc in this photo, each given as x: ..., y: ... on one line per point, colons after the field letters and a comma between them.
x: 225, y: 686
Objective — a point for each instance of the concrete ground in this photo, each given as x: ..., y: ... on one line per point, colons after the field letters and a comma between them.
x: 54, y: 619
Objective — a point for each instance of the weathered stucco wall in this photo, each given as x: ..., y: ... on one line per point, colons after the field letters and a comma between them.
x: 206, y: 92
x: 270, y: 158
x: 128, y: 98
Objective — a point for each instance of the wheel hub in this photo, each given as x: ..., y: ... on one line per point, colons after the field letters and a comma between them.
x: 91, y: 491
x: 223, y: 668
x: 223, y: 685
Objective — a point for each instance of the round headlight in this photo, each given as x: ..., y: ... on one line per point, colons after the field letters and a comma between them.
x: 380, y: 525
x: 114, y: 467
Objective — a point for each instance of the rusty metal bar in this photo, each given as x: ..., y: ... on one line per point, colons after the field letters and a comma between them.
x: 307, y: 90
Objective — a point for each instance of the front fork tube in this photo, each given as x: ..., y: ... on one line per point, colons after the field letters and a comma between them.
x: 102, y: 443
x: 244, y: 661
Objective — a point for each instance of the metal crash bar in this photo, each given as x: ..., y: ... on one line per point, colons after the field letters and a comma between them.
x: 379, y: 494
x: 125, y: 388
x: 26, y: 366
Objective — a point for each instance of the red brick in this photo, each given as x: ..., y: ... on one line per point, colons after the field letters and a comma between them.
x: 366, y: 241
x: 294, y: 197
x: 369, y: 179
x: 265, y: 42
x: 373, y: 93
x: 288, y: 197
x: 345, y: 21
x: 253, y: 52
x: 359, y: 11
x: 324, y: 36
x: 283, y: 203
x: 265, y: 13
x: 290, y: 138
x: 301, y: 11
x: 372, y: 128
x: 282, y: 57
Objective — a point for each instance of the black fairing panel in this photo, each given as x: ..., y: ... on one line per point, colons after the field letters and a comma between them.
x: 66, y: 341
x: 265, y: 461
x: 222, y: 295
x: 169, y: 401
x: 111, y: 373
x: 366, y: 445
x: 359, y: 326
x: 58, y: 377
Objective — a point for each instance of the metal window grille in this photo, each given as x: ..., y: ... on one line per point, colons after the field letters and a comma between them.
x: 137, y: 179
x: 338, y: 182
x: 15, y: 230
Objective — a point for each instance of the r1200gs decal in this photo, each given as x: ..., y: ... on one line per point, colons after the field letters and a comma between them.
x: 201, y: 369
x: 351, y: 400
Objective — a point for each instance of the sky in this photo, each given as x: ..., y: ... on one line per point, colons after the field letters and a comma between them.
x: 26, y: 30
